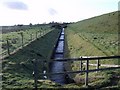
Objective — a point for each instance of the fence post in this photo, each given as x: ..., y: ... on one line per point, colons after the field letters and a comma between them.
x: 43, y: 32
x: 31, y: 36
x: 86, y: 76
x: 42, y: 68
x: 45, y: 68
x: 21, y: 33
x: 81, y: 65
x: 22, y: 39
x: 36, y: 35
x: 98, y: 64
x: 35, y: 73
x: 8, y: 49
x: 40, y: 33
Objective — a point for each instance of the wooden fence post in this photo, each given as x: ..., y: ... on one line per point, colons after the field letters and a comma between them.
x: 81, y: 65
x: 21, y: 33
x: 36, y: 35
x: 98, y: 64
x: 42, y: 68
x: 31, y: 36
x: 45, y: 69
x: 40, y: 33
x: 22, y: 39
x: 86, y: 76
x: 43, y: 32
x: 35, y: 73
x: 8, y: 49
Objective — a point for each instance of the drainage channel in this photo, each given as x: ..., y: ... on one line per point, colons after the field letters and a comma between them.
x: 58, y: 67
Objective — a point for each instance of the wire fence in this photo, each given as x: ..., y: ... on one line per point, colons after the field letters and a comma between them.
x: 16, y: 41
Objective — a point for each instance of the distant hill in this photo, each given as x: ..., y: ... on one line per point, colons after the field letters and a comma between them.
x: 103, y: 23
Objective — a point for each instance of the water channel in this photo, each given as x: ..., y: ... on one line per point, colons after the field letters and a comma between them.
x: 58, y: 67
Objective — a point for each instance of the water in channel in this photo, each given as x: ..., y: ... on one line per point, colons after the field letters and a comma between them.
x: 58, y: 67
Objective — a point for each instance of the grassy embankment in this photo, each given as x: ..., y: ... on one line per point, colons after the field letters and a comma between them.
x: 97, y: 36
x: 15, y: 38
x: 81, y: 41
x: 17, y: 69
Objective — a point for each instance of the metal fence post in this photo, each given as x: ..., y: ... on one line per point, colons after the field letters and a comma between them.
x: 86, y: 76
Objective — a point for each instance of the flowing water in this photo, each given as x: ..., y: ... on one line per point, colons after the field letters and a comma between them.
x: 58, y: 67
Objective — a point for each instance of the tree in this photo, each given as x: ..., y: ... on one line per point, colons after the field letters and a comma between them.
x: 30, y: 24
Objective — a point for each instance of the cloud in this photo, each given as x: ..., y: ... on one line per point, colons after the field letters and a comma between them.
x: 16, y: 5
x: 52, y: 11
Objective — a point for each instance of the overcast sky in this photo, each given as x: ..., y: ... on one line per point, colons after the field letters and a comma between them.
x: 39, y: 11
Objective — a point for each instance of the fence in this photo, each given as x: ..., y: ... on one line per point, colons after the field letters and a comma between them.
x: 22, y: 39
x: 86, y: 71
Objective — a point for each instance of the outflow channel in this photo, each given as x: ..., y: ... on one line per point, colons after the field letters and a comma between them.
x: 57, y: 66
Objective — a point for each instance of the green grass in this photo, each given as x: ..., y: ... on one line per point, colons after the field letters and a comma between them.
x: 101, y: 32
x: 15, y: 39
x: 18, y: 68
x: 100, y: 80
x: 97, y: 36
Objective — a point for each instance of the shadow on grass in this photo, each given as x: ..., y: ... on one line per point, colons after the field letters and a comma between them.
x: 19, y: 66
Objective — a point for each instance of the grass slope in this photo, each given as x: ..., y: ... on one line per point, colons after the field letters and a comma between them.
x: 17, y: 69
x: 97, y: 36
x: 15, y: 39
x: 101, y: 32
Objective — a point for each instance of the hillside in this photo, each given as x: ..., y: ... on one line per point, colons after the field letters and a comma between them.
x: 96, y: 36
x: 17, y: 69
x: 106, y: 23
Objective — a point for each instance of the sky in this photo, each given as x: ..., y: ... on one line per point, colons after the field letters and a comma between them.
x: 13, y: 12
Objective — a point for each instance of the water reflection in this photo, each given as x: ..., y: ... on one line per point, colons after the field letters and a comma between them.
x: 60, y: 47
x: 58, y: 67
